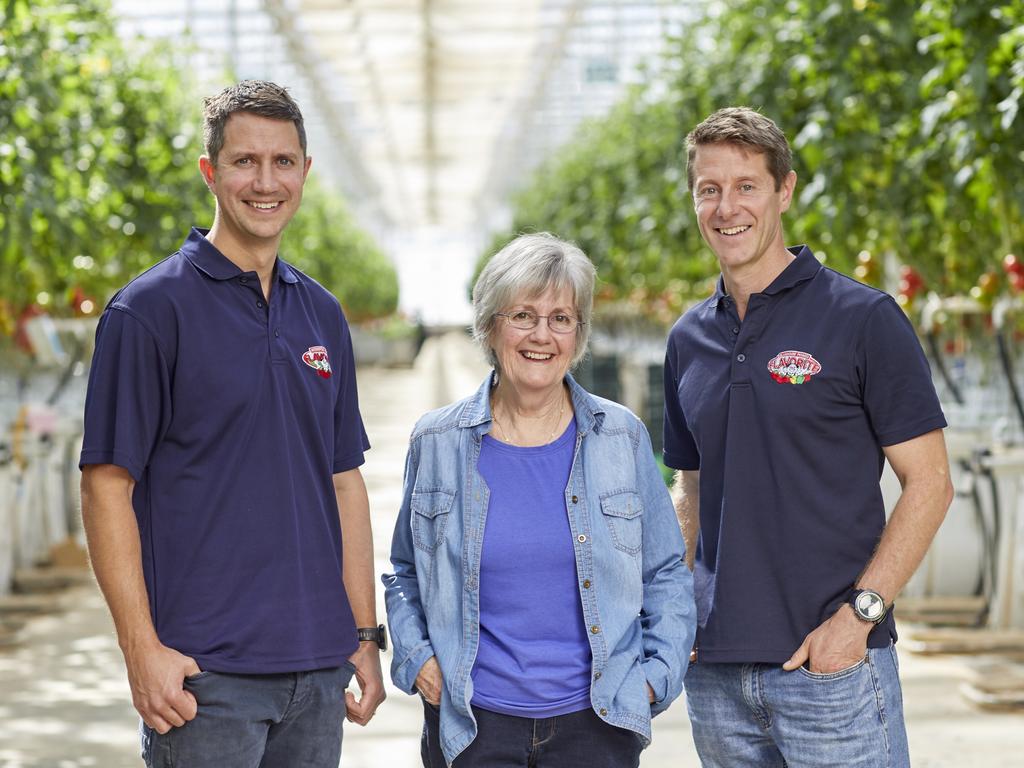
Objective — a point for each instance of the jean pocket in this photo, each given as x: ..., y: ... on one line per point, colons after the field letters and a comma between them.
x: 837, y: 675
x: 199, y: 676
x: 347, y: 671
x: 433, y: 708
x: 623, y: 513
x: 430, y: 517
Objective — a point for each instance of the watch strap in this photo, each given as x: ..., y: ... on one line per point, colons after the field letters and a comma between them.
x: 376, y: 635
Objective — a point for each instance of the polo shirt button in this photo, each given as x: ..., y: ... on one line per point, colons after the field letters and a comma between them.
x: 586, y: 583
x: 735, y: 330
x: 603, y: 712
x: 243, y: 279
x: 595, y: 630
x: 277, y: 333
x: 259, y: 304
x: 575, y: 499
x: 582, y: 539
x: 741, y: 357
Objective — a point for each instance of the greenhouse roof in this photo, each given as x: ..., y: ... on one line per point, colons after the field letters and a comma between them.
x: 425, y: 113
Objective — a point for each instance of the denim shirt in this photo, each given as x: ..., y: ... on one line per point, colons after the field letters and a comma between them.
x: 635, y: 588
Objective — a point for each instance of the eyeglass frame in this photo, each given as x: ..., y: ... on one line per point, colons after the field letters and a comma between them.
x: 508, y: 319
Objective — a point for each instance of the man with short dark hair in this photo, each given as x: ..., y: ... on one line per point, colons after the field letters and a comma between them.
x: 227, y: 519
x: 785, y: 392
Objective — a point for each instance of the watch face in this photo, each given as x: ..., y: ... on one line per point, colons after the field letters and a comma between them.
x: 870, y: 606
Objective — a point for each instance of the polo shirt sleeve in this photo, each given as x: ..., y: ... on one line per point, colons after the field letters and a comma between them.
x: 899, y: 395
x: 128, y: 403
x: 680, y: 450
x: 350, y: 440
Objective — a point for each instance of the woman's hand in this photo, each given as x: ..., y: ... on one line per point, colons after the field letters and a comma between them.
x: 428, y: 681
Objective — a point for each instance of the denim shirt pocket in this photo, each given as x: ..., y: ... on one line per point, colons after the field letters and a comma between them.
x: 430, y: 517
x: 622, y: 512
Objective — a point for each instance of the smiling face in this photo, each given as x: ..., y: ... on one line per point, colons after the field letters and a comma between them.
x: 739, y: 210
x: 257, y: 180
x: 537, y: 360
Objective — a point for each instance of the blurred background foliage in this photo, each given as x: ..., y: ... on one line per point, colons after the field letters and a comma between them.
x: 904, y: 121
x: 324, y: 241
x: 98, y: 179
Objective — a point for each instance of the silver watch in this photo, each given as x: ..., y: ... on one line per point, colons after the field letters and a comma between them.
x: 868, y: 605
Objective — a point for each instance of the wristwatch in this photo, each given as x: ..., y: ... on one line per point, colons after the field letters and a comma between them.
x: 867, y: 605
x: 376, y: 635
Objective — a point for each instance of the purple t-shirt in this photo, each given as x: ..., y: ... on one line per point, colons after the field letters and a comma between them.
x: 534, y: 657
x: 232, y: 414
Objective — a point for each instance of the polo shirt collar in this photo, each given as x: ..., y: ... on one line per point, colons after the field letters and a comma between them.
x: 803, y: 267
x: 211, y: 262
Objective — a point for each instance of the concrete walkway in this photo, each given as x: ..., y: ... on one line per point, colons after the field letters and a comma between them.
x: 64, y: 697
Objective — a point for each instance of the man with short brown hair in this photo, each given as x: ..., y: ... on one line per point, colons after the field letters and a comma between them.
x: 785, y: 393
x: 227, y: 520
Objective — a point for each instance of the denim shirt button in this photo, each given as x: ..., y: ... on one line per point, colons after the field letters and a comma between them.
x: 595, y: 630
x: 575, y: 499
x: 582, y: 539
x: 586, y: 583
x: 603, y: 712
x: 597, y: 675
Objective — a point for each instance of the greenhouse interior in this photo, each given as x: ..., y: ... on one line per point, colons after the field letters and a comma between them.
x: 440, y: 130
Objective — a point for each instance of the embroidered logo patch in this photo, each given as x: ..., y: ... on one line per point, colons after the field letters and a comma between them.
x: 316, y: 358
x: 792, y: 367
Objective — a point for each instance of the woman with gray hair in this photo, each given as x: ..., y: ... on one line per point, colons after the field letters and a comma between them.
x: 540, y: 603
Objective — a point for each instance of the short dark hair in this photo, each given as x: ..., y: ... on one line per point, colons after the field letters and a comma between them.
x: 256, y: 96
x: 747, y: 128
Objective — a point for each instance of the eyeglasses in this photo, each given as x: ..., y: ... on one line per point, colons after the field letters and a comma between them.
x: 525, y: 320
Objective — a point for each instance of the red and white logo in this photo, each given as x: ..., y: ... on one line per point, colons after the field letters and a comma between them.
x: 792, y: 367
x: 316, y: 358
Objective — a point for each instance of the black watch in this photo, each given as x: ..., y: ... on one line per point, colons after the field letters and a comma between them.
x: 376, y: 635
x: 868, y: 605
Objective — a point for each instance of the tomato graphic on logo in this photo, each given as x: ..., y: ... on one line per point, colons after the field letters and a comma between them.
x: 793, y: 367
x: 316, y: 358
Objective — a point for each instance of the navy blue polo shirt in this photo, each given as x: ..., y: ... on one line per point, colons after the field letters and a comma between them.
x: 232, y: 414
x: 785, y: 415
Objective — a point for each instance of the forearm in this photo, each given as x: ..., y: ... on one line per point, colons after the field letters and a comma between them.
x: 115, y: 551
x: 912, y: 526
x: 357, y: 546
x: 686, y: 499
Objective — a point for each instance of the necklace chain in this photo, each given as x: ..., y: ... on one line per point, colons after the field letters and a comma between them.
x: 551, y: 435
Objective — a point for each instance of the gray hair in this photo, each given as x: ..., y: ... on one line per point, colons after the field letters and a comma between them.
x: 525, y: 268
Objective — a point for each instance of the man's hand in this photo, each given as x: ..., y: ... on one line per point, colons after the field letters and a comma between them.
x: 156, y: 675
x: 371, y: 684
x: 429, y: 681
x: 837, y: 644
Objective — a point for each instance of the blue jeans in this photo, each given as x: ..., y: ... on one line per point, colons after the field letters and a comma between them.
x: 257, y: 721
x: 759, y: 715
x: 577, y: 740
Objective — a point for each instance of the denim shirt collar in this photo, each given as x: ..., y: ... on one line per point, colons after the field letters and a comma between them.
x: 477, y: 413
